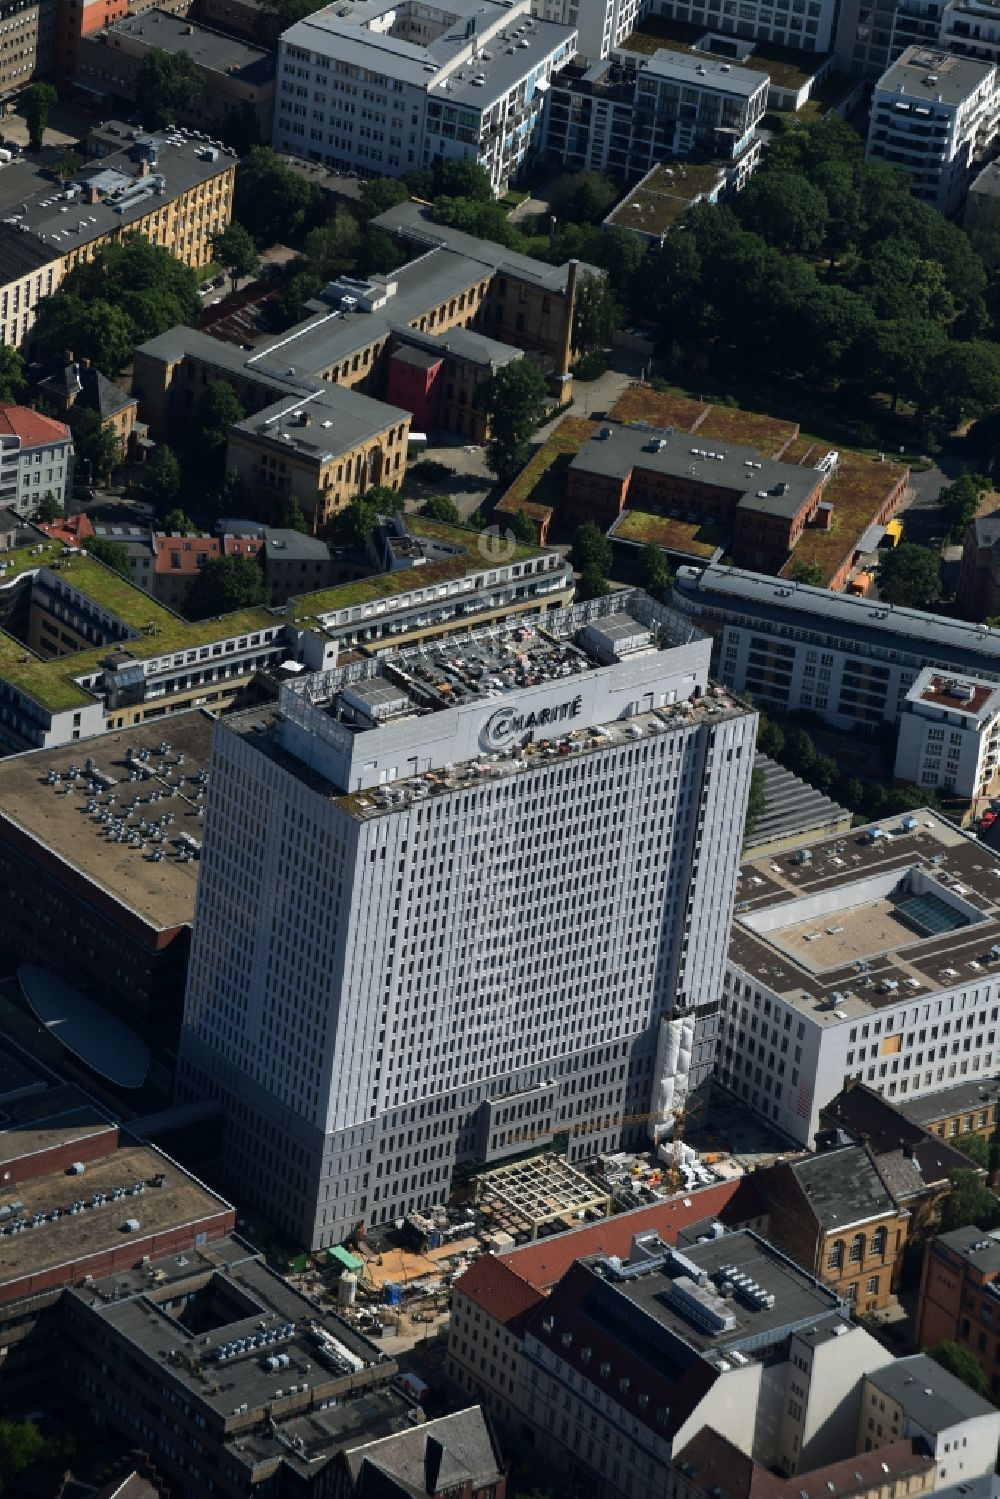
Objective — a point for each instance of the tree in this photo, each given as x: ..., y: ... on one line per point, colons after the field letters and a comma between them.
x: 224, y: 584
x: 439, y: 507
x: 595, y: 316
x: 591, y: 584
x: 910, y: 575
x: 217, y: 410
x: 960, y: 1362
x: 514, y: 400
x: 522, y: 528
x: 272, y: 201
x: 67, y: 165
x: 233, y: 248
x: 131, y: 291
x: 653, y: 571
x: 970, y: 1201
x: 591, y: 549
x: 94, y: 444
x: 167, y: 85
x: 12, y: 377
x: 353, y: 525
x: 583, y: 197
x: 176, y: 520
x: 975, y: 1147
x: 111, y: 553
x: 462, y: 179
x: 36, y: 103
x: 771, y: 739
x: 960, y: 501
x: 379, y: 194
x: 799, y: 753
x: 301, y: 287
x: 160, y: 483
x: 756, y: 800
x: 332, y: 248
x: 21, y: 1444
x: 93, y: 329
x: 786, y: 209
x: 49, y: 508
x: 808, y: 572
x: 230, y: 498
x: 241, y: 129
x: 291, y: 517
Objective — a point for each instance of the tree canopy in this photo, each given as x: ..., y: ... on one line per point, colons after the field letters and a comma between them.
x: 969, y: 1201
x: 37, y: 101
x: 590, y: 549
x: 131, y: 291
x: 167, y: 85
x: 233, y: 247
x: 961, y: 1362
x: 12, y: 376
x: 160, y: 481
x: 272, y: 201
x: 223, y: 585
x: 95, y: 444
x: 910, y: 575
x: 514, y: 400
x: 217, y: 410
x: 439, y: 507
x: 960, y: 501
x: 111, y: 553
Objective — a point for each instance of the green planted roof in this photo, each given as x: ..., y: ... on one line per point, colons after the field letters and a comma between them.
x: 158, y: 631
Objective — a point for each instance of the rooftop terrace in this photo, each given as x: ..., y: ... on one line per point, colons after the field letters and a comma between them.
x: 904, y: 908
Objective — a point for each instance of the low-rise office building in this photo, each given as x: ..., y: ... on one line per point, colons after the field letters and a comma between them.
x: 174, y: 190
x: 949, y: 734
x: 36, y: 459
x: 960, y: 1297
x: 237, y: 78
x: 27, y: 44
x: 851, y: 662
x: 935, y: 116
x: 872, y: 957
x: 77, y: 19
x: 627, y: 113
x: 82, y: 650
x: 468, y: 83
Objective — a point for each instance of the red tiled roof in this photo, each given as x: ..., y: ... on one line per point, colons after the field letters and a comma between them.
x: 30, y: 426
x: 69, y: 529
x: 543, y: 1263
x: 242, y: 546
x: 500, y: 1291
x: 186, y: 550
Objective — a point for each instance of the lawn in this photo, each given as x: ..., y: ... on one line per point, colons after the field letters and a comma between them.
x: 857, y: 492
x: 541, y: 483
x: 770, y: 435
x: 639, y: 403
x: 687, y: 538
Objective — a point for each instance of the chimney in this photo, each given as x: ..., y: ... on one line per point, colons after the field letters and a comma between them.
x: 566, y: 357
x: 143, y: 167
x: 85, y: 364
x: 92, y: 194
x: 67, y: 356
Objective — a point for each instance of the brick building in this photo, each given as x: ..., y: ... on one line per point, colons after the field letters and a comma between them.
x: 710, y: 1467
x: 960, y: 1297
x: 764, y: 503
x: 833, y: 1213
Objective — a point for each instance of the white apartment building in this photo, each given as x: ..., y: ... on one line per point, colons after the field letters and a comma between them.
x: 850, y: 660
x: 36, y: 459
x: 494, y: 869
x: 627, y: 114
x: 602, y: 25
x: 873, y: 957
x: 383, y: 88
x: 936, y: 116
x: 805, y: 24
x: 949, y: 734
